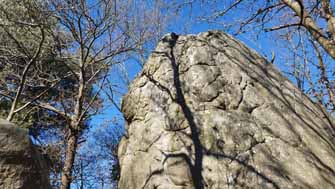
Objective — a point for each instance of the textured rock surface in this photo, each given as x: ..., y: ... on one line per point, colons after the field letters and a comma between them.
x: 208, y: 112
x: 21, y: 165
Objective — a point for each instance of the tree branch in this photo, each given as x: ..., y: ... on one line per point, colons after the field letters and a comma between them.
x: 24, y: 75
x: 329, y: 16
x: 281, y: 27
x: 37, y: 97
x: 312, y: 27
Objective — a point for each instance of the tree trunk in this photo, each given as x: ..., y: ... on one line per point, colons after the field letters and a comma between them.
x: 69, y: 159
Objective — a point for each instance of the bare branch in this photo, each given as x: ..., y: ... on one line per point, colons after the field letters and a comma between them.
x: 312, y: 27
x: 49, y: 107
x: 222, y: 13
x: 24, y: 75
x: 37, y: 97
x: 93, y: 99
x: 324, y: 77
x: 329, y: 16
x: 281, y: 27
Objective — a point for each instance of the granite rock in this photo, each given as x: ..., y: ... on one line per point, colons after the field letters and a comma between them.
x: 208, y: 112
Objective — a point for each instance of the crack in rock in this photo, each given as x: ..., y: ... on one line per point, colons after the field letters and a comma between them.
x: 208, y: 112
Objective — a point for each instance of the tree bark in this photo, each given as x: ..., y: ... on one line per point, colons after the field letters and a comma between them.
x: 69, y: 159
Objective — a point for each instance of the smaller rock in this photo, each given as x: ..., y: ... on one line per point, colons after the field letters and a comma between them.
x: 21, y: 164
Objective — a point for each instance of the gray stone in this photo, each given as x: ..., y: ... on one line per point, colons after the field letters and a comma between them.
x: 208, y: 112
x: 21, y: 164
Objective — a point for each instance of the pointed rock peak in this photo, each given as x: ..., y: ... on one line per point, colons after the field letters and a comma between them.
x: 214, y: 114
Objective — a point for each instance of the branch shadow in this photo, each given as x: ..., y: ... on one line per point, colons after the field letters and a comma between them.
x: 196, y: 166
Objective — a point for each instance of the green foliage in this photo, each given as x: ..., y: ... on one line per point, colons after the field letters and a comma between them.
x: 21, y: 24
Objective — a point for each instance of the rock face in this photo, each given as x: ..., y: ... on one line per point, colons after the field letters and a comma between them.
x: 208, y: 112
x: 21, y: 165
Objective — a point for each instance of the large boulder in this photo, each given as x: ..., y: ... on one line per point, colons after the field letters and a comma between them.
x: 21, y: 164
x: 208, y: 112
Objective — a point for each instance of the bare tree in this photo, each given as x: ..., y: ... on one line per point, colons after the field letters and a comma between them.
x: 305, y: 30
x: 100, y: 31
x: 62, y: 55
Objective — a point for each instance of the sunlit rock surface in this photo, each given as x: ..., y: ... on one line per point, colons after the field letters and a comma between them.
x: 21, y: 164
x: 208, y: 112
